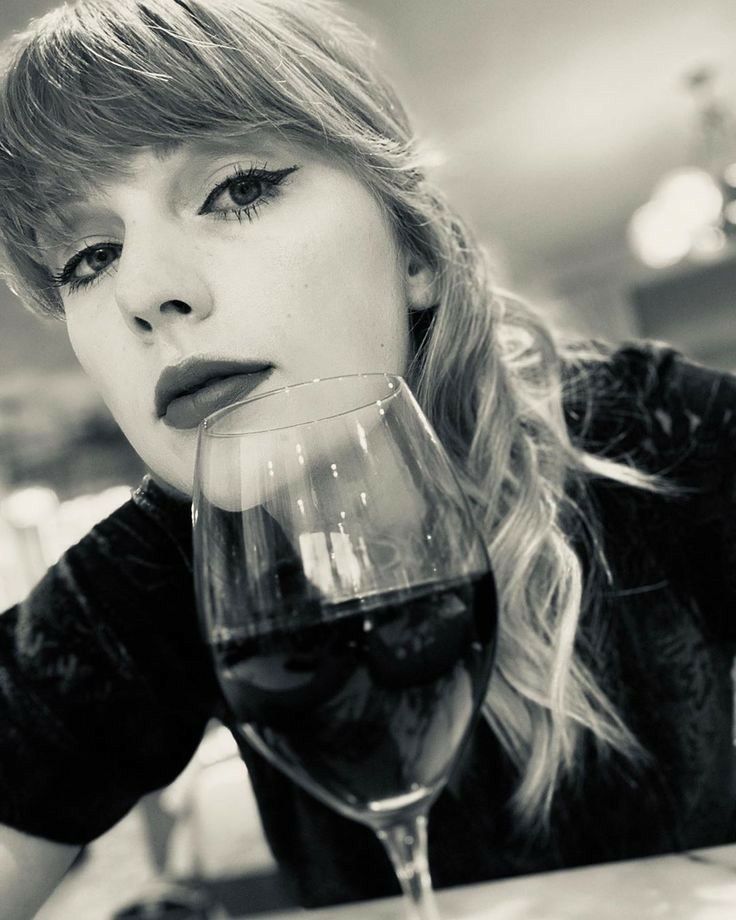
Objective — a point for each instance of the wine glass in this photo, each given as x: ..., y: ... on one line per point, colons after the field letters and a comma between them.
x: 347, y: 598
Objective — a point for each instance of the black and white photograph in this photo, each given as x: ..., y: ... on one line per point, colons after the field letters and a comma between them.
x: 367, y: 460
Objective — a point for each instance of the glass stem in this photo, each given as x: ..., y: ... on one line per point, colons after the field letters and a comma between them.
x: 406, y: 845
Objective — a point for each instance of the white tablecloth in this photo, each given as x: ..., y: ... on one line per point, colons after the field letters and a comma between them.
x: 691, y: 886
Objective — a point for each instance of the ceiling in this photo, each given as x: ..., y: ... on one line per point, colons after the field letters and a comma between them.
x: 554, y: 117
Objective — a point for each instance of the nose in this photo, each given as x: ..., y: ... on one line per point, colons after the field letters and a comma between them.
x: 160, y: 284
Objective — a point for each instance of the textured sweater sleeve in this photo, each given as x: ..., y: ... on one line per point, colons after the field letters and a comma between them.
x: 699, y: 418
x: 105, y: 685
x: 670, y: 416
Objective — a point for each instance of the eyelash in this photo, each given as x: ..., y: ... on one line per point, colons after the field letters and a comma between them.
x: 270, y: 179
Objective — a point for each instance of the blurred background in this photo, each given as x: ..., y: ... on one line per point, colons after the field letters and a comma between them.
x: 591, y: 144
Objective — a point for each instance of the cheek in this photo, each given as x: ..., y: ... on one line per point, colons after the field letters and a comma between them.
x: 106, y: 359
x: 81, y: 339
x: 93, y: 342
x: 333, y: 288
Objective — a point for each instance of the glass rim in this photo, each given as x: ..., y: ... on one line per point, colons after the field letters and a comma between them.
x: 205, y: 426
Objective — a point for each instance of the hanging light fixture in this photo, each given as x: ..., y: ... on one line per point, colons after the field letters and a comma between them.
x: 693, y: 208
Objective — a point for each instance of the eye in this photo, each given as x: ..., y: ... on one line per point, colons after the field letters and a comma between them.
x: 243, y: 192
x: 96, y: 259
x: 87, y: 265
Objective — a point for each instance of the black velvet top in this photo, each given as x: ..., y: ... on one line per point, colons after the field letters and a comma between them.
x: 106, y: 687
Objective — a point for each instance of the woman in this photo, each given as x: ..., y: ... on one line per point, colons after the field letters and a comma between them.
x: 233, y: 191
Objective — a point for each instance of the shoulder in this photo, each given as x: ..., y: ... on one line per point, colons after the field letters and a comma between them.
x: 645, y: 403
x: 660, y: 377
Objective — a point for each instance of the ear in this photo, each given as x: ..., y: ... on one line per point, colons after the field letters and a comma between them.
x: 421, y: 284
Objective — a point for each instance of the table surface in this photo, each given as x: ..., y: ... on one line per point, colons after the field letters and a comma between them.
x: 698, y: 885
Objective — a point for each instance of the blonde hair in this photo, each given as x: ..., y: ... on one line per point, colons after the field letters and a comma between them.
x: 93, y: 81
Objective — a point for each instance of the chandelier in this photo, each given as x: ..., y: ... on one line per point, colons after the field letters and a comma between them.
x: 692, y: 210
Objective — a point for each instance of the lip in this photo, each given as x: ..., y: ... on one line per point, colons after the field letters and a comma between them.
x: 188, y: 392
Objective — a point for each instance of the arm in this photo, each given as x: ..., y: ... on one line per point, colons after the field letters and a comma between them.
x: 30, y: 869
x: 105, y: 685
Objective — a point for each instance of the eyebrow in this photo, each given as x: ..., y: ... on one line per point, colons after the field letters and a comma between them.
x: 249, y: 141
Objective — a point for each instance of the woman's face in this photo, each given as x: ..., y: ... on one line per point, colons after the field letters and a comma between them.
x: 222, y: 269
